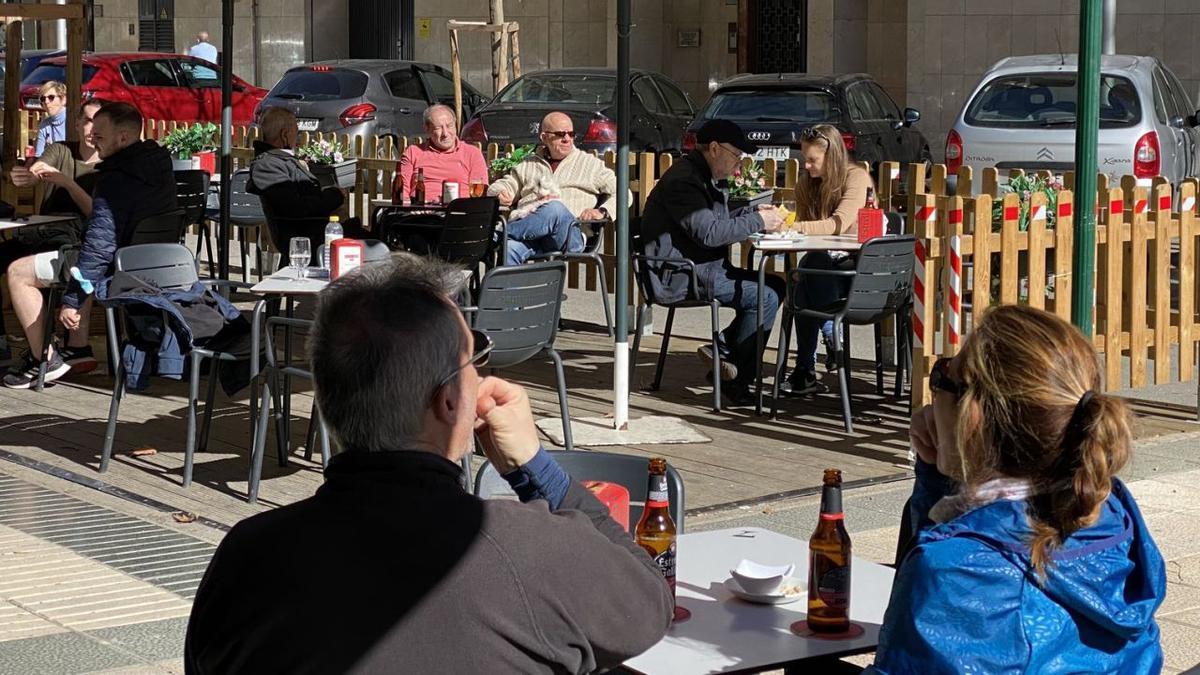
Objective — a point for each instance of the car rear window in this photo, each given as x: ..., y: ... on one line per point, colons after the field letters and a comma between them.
x: 560, y: 89
x: 47, y: 72
x: 1048, y: 100
x: 811, y: 105
x: 307, y: 84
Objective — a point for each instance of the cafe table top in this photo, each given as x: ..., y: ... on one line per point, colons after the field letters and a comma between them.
x: 284, y: 282
x: 26, y: 221
x: 726, y: 634
x: 810, y: 242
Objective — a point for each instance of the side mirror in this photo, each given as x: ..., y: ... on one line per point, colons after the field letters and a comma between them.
x: 911, y: 116
x: 1177, y: 121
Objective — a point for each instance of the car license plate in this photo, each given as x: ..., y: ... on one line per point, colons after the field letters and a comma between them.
x: 33, y: 104
x: 307, y: 124
x: 776, y: 152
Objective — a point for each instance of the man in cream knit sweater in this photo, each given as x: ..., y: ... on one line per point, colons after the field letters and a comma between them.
x: 551, y: 191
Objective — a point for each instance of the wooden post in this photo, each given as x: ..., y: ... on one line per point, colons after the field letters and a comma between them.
x: 515, y: 43
x: 456, y: 74
x: 1064, y: 230
x: 499, y: 47
x: 1008, y: 250
x: 916, y: 179
x: 937, y: 180
x: 1114, y: 249
x: 981, y: 255
x: 14, y: 141
x: 1037, y: 250
x: 1161, y: 202
x: 991, y: 182
x: 1187, y: 277
x: 76, y: 32
x: 1138, y: 232
x: 966, y: 178
x: 923, y: 216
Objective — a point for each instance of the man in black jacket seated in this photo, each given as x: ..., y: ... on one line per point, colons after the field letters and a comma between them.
x: 687, y: 216
x: 294, y: 201
x: 392, y: 566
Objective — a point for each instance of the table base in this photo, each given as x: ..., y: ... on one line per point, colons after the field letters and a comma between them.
x: 801, y: 628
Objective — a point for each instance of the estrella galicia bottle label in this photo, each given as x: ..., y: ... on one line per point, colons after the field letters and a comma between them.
x: 834, y: 586
x: 666, y: 564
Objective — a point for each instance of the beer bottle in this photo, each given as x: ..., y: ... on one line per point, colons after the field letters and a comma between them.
x: 829, y: 563
x: 398, y: 187
x: 655, y: 532
x: 418, y: 191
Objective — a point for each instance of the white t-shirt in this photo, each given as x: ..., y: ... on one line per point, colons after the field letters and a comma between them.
x: 203, y: 50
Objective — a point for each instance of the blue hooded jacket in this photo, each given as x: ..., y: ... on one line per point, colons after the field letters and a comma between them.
x: 967, y: 599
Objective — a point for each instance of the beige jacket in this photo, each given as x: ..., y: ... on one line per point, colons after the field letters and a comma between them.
x: 580, y: 178
x: 845, y: 219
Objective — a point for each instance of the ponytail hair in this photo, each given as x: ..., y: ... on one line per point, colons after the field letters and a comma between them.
x: 1033, y: 410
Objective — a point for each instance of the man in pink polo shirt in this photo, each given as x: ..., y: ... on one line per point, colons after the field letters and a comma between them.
x: 441, y: 158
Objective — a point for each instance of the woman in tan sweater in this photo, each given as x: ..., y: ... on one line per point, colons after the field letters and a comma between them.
x: 829, y: 193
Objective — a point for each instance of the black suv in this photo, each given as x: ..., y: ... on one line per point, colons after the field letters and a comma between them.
x: 774, y: 109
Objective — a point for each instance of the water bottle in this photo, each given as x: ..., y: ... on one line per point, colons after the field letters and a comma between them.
x: 333, y: 232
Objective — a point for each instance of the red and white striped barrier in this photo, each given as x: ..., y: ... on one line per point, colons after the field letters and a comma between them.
x: 918, y: 315
x: 1039, y: 213
x: 927, y: 214
x: 954, y: 290
x: 1188, y: 204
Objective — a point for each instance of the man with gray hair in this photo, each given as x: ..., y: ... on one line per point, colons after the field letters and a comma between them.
x: 203, y: 49
x: 294, y: 202
x: 393, y: 564
x: 441, y: 158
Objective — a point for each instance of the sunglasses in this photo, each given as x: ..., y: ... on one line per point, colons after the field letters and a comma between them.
x: 481, y: 350
x: 559, y: 135
x: 939, y: 379
x: 48, y: 97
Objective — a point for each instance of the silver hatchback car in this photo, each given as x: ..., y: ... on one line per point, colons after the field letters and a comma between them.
x: 1022, y: 116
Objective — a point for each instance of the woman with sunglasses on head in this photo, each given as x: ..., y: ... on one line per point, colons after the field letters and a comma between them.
x: 1030, y: 555
x: 829, y: 193
x: 53, y: 127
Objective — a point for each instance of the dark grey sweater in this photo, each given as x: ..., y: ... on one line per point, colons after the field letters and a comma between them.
x: 392, y: 567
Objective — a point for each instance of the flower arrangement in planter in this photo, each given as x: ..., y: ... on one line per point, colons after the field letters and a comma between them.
x: 1025, y: 187
x: 328, y: 163
x: 504, y: 163
x: 192, y: 146
x: 748, y: 186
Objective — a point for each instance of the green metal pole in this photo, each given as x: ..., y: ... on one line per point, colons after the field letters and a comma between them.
x: 1087, y: 128
x: 621, y: 302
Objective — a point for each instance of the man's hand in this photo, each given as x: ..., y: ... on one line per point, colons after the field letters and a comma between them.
x: 69, y: 317
x: 591, y: 214
x: 21, y: 177
x: 506, y: 199
x: 772, y: 218
x: 923, y: 434
x: 48, y: 173
x: 505, y: 424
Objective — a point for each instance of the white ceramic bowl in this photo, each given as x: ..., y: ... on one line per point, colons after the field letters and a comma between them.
x: 761, y: 579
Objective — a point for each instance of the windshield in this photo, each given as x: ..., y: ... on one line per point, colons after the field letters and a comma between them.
x: 306, y: 84
x: 1048, y: 99
x: 784, y: 105
x: 47, y: 72
x: 597, y: 89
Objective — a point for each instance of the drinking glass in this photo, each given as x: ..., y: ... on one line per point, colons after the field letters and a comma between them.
x: 478, y: 188
x: 300, y: 254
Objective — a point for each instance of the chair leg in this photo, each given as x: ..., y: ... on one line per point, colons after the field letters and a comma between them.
x: 310, y: 436
x: 259, y: 444
x: 208, y: 404
x: 208, y: 244
x: 193, y: 395
x: 843, y: 375
x: 640, y: 325
x: 281, y: 427
x: 902, y: 355
x: 244, y: 248
x: 114, y: 406
x: 879, y: 359
x: 568, y: 443
x: 662, y: 352
x: 716, y: 349
x: 608, y: 318
x: 785, y: 344
x: 47, y: 337
x: 324, y: 430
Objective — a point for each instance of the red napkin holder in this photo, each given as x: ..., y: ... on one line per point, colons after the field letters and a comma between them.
x: 870, y: 224
x: 208, y: 161
x: 345, y: 255
x: 614, y: 497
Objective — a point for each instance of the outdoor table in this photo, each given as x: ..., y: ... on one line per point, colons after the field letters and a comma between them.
x: 726, y: 634
x: 380, y: 206
x: 281, y: 284
x: 10, y: 226
x: 770, y: 249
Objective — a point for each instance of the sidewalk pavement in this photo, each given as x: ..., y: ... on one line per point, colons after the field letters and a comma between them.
x: 72, y: 602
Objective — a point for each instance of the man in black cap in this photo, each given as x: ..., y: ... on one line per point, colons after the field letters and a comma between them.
x: 687, y: 216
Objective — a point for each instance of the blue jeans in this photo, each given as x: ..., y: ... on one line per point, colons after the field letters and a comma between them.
x: 818, y: 293
x: 739, y: 289
x: 551, y: 228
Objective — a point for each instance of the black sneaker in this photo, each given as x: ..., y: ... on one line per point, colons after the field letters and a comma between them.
x: 802, y: 383
x: 27, y: 375
x: 737, y: 394
x: 728, y: 370
x: 80, y: 359
x: 833, y: 360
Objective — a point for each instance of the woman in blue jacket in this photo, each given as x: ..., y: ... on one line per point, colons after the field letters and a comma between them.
x: 1030, y: 555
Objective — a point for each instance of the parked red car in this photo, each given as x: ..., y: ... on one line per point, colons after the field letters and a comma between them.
x: 161, y: 86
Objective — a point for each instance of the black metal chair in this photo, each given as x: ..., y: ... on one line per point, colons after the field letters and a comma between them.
x: 467, y: 235
x: 245, y: 214
x: 518, y: 308
x: 628, y: 471
x: 166, y: 266
x: 880, y: 286
x: 191, y: 193
x: 590, y: 255
x: 278, y: 226
x: 642, y: 270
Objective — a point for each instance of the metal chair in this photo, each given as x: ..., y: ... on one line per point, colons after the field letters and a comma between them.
x: 166, y: 266
x: 518, y: 307
x: 246, y: 214
x: 590, y: 255
x: 191, y: 193
x: 467, y: 235
x: 880, y: 286
x: 628, y: 471
x: 642, y: 271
